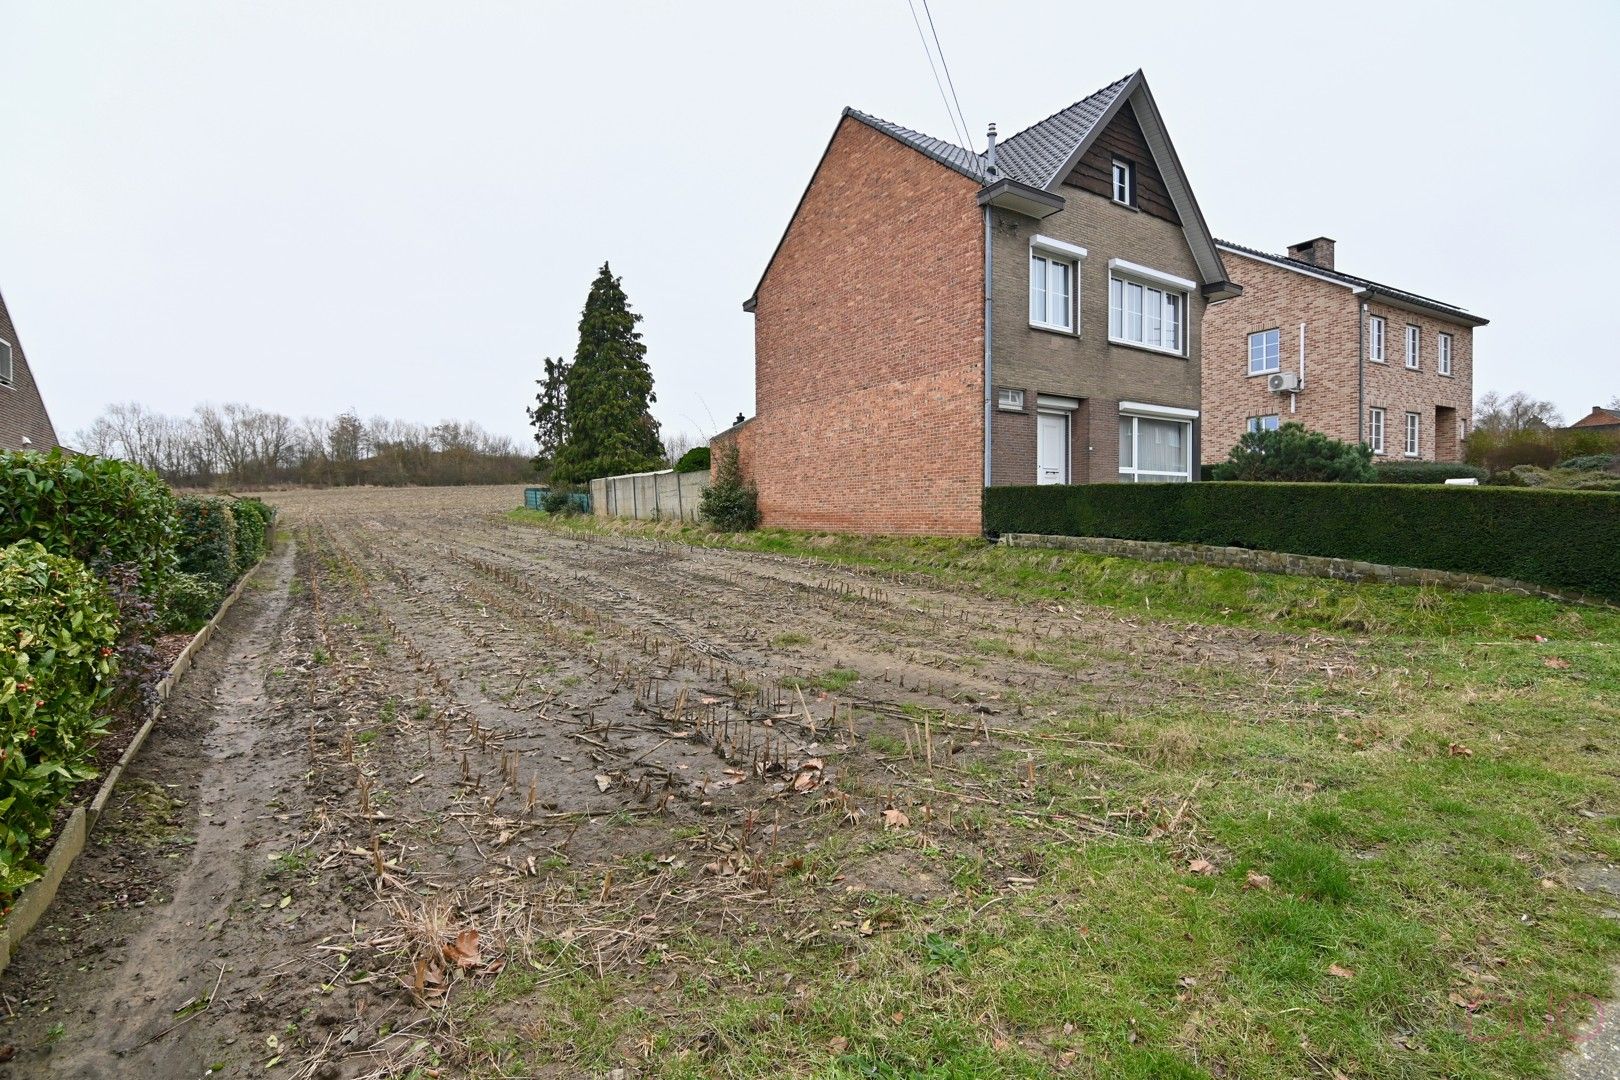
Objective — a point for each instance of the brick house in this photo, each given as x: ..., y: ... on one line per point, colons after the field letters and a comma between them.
x: 1048, y: 293
x: 1602, y: 420
x: 23, y: 419
x: 1345, y: 356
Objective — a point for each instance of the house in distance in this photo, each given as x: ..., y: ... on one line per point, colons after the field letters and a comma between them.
x: 935, y: 320
x: 24, y: 423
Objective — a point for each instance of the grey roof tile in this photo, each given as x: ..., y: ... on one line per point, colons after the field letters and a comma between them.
x: 1351, y: 279
x: 1033, y: 156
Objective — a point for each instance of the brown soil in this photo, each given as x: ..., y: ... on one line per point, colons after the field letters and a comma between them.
x: 434, y: 724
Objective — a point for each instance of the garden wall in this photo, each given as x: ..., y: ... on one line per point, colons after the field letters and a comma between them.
x: 650, y: 495
x: 1560, y: 540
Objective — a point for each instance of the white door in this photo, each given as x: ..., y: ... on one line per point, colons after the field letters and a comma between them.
x: 1052, y: 449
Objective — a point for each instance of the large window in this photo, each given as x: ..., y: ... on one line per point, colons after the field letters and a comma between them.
x: 1445, y: 354
x: 1413, y: 440
x: 1264, y: 423
x: 1375, y: 430
x: 1051, y: 291
x: 1414, y: 339
x: 1265, y: 352
x: 1146, y: 313
x: 1375, y: 339
x: 1155, y: 451
x: 1124, y: 183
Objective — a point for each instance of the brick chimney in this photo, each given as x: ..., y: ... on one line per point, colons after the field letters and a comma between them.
x: 1318, y: 252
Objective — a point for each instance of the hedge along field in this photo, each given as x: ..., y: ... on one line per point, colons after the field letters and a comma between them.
x: 1560, y: 539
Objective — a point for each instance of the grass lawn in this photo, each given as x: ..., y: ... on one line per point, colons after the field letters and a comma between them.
x: 1367, y: 872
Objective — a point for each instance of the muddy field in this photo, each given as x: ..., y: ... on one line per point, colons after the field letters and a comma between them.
x: 433, y: 746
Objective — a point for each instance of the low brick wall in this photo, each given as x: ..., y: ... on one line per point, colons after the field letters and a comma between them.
x: 1282, y: 562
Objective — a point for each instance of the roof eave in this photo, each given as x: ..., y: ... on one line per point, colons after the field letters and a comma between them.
x: 1407, y: 303
x: 1020, y: 198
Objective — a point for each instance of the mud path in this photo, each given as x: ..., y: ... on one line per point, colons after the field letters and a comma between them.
x: 159, y: 915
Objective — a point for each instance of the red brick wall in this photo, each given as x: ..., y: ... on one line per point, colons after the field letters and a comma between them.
x: 22, y: 412
x: 868, y: 342
x: 1277, y: 297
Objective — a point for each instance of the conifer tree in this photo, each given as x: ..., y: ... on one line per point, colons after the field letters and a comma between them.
x: 608, y: 390
x: 550, y: 413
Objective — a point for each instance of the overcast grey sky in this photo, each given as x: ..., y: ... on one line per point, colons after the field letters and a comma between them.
x: 313, y: 204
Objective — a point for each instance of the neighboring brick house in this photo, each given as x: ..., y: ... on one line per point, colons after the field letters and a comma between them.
x: 1600, y: 420
x: 1342, y: 355
x: 1050, y: 290
x: 23, y: 419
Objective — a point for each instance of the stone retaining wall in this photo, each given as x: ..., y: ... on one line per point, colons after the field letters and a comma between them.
x: 1282, y: 562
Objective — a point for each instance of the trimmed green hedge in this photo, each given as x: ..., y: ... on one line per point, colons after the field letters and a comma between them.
x: 1427, y: 472
x: 252, y: 529
x: 58, y: 630
x: 208, y: 538
x: 1560, y: 539
x: 97, y: 510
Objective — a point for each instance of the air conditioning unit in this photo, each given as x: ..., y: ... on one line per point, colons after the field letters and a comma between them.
x: 1283, y: 381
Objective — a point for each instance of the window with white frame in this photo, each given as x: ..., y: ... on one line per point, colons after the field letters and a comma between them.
x: 1412, y: 434
x: 1051, y: 291
x: 1375, y: 430
x: 1445, y: 354
x: 1265, y: 352
x: 1124, y: 182
x: 1375, y: 339
x: 1414, y: 340
x: 5, y: 362
x: 1148, y: 312
x: 1264, y: 423
x: 1154, y: 450
x: 1011, y: 400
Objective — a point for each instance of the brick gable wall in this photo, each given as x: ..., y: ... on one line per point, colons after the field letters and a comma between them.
x: 22, y: 410
x: 869, y: 347
x: 1276, y: 297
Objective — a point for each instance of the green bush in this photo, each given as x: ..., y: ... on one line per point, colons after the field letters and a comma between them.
x: 1426, y: 472
x: 1559, y: 539
x: 1593, y: 463
x: 96, y: 510
x: 730, y: 503
x: 1292, y: 453
x: 252, y: 528
x: 192, y: 601
x: 694, y: 460
x: 58, y: 630
x: 207, y: 543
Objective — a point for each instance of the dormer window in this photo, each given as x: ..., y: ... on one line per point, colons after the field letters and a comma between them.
x: 1124, y: 183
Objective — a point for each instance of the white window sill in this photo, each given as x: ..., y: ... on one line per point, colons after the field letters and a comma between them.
x: 1413, y: 456
x: 1050, y: 329
x: 1126, y: 344
x: 1263, y: 374
x: 1375, y: 360
x: 1413, y: 367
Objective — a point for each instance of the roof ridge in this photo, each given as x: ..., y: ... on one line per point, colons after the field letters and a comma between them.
x: 1343, y: 275
x: 1066, y: 108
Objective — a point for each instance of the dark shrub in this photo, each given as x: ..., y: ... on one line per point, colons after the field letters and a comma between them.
x: 1560, y: 539
x: 208, y: 538
x: 252, y: 532
x: 694, y: 460
x: 139, y: 667
x: 1292, y: 453
x: 1426, y: 472
x: 556, y: 501
x: 192, y: 601
x: 1527, y: 450
x: 730, y: 503
x: 97, y: 510
x: 1593, y: 463
x: 59, y: 630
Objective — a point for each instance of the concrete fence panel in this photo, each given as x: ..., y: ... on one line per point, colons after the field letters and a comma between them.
x: 650, y: 496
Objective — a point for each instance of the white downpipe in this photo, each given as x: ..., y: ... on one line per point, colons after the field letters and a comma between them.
x: 1293, y: 399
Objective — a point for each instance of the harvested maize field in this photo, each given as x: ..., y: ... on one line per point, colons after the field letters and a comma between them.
x: 462, y: 791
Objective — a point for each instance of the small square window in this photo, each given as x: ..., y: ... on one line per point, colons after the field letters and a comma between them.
x: 1011, y: 400
x: 1265, y: 352
x: 1124, y: 182
x: 1264, y: 423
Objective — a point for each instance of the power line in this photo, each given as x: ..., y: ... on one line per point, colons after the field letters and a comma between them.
x: 966, y: 131
x: 931, y: 66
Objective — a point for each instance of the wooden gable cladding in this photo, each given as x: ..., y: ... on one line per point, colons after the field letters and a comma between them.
x: 1123, y: 139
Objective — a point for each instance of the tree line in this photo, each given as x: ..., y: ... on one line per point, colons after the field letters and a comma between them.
x: 241, y: 446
